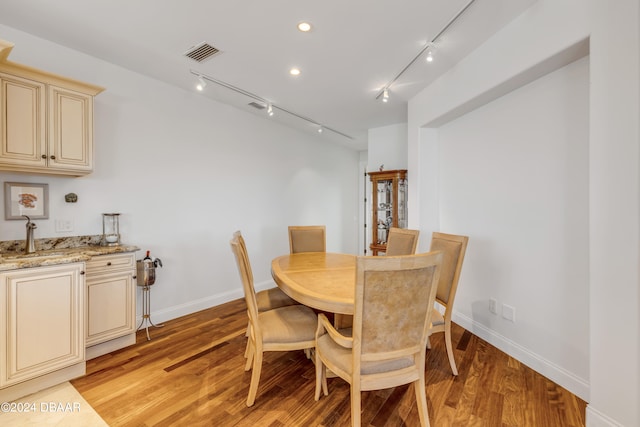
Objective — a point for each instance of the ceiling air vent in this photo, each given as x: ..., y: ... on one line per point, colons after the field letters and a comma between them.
x: 201, y: 52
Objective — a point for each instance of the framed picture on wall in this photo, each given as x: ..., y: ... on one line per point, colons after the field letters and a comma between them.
x: 22, y: 198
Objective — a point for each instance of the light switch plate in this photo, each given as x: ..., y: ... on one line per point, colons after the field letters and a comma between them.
x: 493, y: 305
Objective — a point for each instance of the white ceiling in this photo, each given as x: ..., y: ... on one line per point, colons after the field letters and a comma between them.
x: 355, y: 48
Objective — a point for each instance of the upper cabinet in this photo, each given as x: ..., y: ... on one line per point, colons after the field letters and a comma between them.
x: 46, y: 120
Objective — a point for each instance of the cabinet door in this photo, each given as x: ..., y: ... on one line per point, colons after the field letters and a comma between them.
x: 110, y: 306
x: 70, y: 130
x: 22, y: 122
x: 42, y: 326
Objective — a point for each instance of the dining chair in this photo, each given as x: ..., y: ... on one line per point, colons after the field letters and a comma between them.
x: 280, y: 329
x: 402, y: 241
x: 307, y: 238
x: 453, y: 248
x: 387, y: 344
x: 267, y: 299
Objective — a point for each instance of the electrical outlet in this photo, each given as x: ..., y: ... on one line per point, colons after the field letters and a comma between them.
x: 64, y: 225
x: 509, y: 312
x: 493, y: 305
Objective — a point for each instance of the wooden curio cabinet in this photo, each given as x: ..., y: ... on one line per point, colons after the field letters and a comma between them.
x: 388, y: 204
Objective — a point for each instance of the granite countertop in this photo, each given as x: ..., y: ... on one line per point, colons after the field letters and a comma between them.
x: 56, y: 251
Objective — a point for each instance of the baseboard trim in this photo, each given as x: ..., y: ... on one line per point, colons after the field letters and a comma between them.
x: 173, y: 312
x: 596, y: 418
x: 576, y: 385
x: 114, y: 344
x: 35, y: 385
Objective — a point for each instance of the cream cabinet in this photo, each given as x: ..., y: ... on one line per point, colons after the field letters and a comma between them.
x: 110, y: 302
x: 42, y: 322
x: 46, y: 121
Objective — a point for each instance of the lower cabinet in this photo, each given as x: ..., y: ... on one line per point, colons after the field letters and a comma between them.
x: 110, y: 302
x: 54, y: 318
x: 42, y: 324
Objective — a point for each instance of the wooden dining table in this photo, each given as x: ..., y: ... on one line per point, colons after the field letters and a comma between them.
x: 322, y: 280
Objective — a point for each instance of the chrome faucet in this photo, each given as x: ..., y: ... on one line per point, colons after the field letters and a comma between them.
x: 29, y: 245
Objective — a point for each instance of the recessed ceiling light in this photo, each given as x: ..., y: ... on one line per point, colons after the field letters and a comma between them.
x: 304, y: 27
x: 294, y: 71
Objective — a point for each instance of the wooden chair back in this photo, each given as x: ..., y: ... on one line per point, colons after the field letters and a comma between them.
x: 246, y: 276
x: 393, y: 301
x: 243, y: 248
x: 307, y: 238
x: 453, y: 248
x: 402, y: 241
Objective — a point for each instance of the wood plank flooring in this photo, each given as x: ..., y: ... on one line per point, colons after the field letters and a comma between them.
x: 191, y: 373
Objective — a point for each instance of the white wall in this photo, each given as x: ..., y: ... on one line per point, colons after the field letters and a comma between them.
x: 549, y: 33
x: 615, y: 214
x: 387, y: 145
x: 186, y: 172
x: 513, y: 175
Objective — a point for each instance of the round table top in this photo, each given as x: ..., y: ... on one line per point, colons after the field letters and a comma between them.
x: 322, y: 280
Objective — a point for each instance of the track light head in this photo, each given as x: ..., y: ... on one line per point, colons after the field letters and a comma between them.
x: 270, y: 110
x: 429, y: 56
x: 201, y: 84
x: 385, y: 95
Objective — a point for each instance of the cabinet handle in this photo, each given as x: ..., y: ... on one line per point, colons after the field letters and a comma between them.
x: 44, y: 156
x: 134, y: 277
x: 82, y: 272
x: 109, y: 263
x: 53, y: 157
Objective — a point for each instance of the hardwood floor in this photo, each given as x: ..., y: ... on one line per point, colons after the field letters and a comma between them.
x: 191, y: 373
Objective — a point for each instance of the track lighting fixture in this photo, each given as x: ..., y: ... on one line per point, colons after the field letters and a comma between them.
x: 201, y: 84
x: 263, y: 103
x: 384, y: 93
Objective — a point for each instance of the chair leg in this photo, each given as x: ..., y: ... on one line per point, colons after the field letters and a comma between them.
x: 246, y: 350
x: 319, y: 366
x: 355, y: 405
x: 447, y: 340
x: 321, y: 377
x: 250, y: 351
x: 325, y: 390
x: 421, y: 400
x: 255, y: 377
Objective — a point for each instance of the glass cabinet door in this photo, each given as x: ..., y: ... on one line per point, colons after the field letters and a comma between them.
x: 384, y: 209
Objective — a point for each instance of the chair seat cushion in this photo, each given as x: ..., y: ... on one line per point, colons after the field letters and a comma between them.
x: 437, y: 318
x: 343, y: 358
x: 293, y: 323
x: 269, y: 299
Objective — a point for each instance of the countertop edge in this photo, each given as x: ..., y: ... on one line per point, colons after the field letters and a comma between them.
x: 62, y: 256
